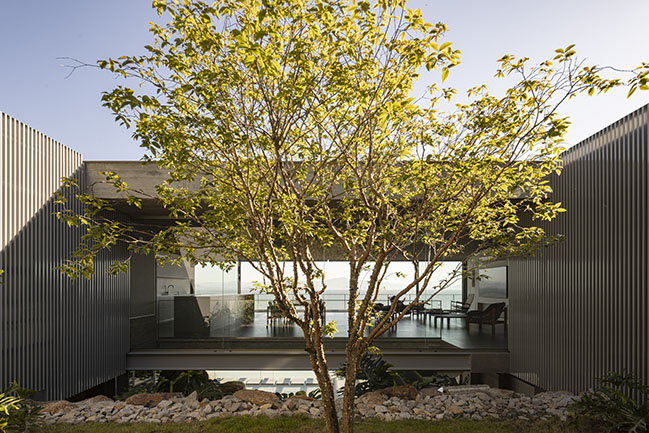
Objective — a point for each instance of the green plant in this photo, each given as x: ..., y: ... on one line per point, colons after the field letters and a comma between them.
x: 8, y: 403
x: 182, y: 381
x: 612, y: 406
x: 211, y: 390
x: 186, y: 381
x: 146, y: 387
x: 283, y: 396
x: 17, y: 412
x: 374, y: 373
x: 189, y: 381
x: 316, y: 393
x: 435, y: 380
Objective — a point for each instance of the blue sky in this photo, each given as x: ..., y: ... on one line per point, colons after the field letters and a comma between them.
x: 33, y: 87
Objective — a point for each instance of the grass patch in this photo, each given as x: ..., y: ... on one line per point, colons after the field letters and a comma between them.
x: 297, y: 424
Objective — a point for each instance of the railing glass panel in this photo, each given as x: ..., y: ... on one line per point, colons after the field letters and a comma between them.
x: 225, y: 304
x: 250, y: 316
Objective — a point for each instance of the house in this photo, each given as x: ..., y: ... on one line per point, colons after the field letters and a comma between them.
x: 576, y: 310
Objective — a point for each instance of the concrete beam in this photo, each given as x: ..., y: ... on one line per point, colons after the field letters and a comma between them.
x: 298, y: 360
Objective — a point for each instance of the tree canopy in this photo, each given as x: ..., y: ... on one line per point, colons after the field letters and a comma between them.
x: 287, y: 126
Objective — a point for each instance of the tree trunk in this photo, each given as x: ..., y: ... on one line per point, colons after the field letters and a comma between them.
x: 328, y: 402
x: 351, y: 368
x: 327, y: 391
x: 351, y: 356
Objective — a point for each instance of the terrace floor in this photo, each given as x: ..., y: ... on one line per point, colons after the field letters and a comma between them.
x: 410, y: 334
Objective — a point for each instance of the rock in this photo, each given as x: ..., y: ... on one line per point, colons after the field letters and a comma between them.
x: 554, y: 395
x: 164, y: 404
x: 302, y: 398
x: 229, y: 388
x: 128, y: 410
x: 465, y: 389
x: 455, y: 410
x: 96, y: 399
x: 294, y: 401
x: 257, y: 397
x: 404, y: 392
x: 57, y: 406
x: 379, y: 408
x: 429, y: 392
x: 145, y: 399
x: 68, y: 417
x: 500, y: 393
x: 270, y: 413
x: 372, y: 398
x: 395, y: 403
x: 192, y: 398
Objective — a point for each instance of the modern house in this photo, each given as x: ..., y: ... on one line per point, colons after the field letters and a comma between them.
x: 575, y: 311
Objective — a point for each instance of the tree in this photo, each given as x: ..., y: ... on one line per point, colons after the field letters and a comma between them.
x: 295, y: 124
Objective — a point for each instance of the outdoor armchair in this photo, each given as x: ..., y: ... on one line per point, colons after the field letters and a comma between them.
x: 489, y: 316
x: 460, y: 306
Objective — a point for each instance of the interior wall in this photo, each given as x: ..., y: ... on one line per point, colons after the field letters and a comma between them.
x: 473, y: 282
x: 174, y: 279
x: 143, y: 302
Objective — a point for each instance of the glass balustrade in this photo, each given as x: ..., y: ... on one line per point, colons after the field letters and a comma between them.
x: 225, y: 305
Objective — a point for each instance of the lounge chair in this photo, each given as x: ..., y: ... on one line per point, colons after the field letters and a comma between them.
x: 489, y: 316
x: 462, y: 306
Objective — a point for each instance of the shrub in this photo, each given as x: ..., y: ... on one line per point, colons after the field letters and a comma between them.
x: 183, y: 381
x: 613, y: 406
x: 17, y: 412
x: 8, y: 404
x: 434, y: 381
x: 374, y: 373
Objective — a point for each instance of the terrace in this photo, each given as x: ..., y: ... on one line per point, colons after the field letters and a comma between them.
x: 182, y: 324
x: 232, y: 332
x: 210, y: 307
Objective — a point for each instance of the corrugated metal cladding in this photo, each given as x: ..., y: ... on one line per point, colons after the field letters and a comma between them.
x: 57, y: 335
x: 579, y: 309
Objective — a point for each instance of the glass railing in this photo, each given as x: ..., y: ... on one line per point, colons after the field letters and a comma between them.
x: 339, y: 302
x: 251, y: 316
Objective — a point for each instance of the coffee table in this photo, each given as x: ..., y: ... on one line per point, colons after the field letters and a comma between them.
x: 448, y: 315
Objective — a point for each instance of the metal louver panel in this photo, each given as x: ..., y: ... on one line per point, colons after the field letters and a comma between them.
x: 57, y: 336
x: 578, y: 310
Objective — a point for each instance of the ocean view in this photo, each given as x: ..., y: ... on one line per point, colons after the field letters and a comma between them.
x: 211, y: 280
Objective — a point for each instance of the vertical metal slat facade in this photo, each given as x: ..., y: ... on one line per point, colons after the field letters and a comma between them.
x: 578, y: 309
x: 57, y: 335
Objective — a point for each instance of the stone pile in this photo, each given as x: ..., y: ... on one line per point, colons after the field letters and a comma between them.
x: 475, y: 402
x: 404, y: 402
